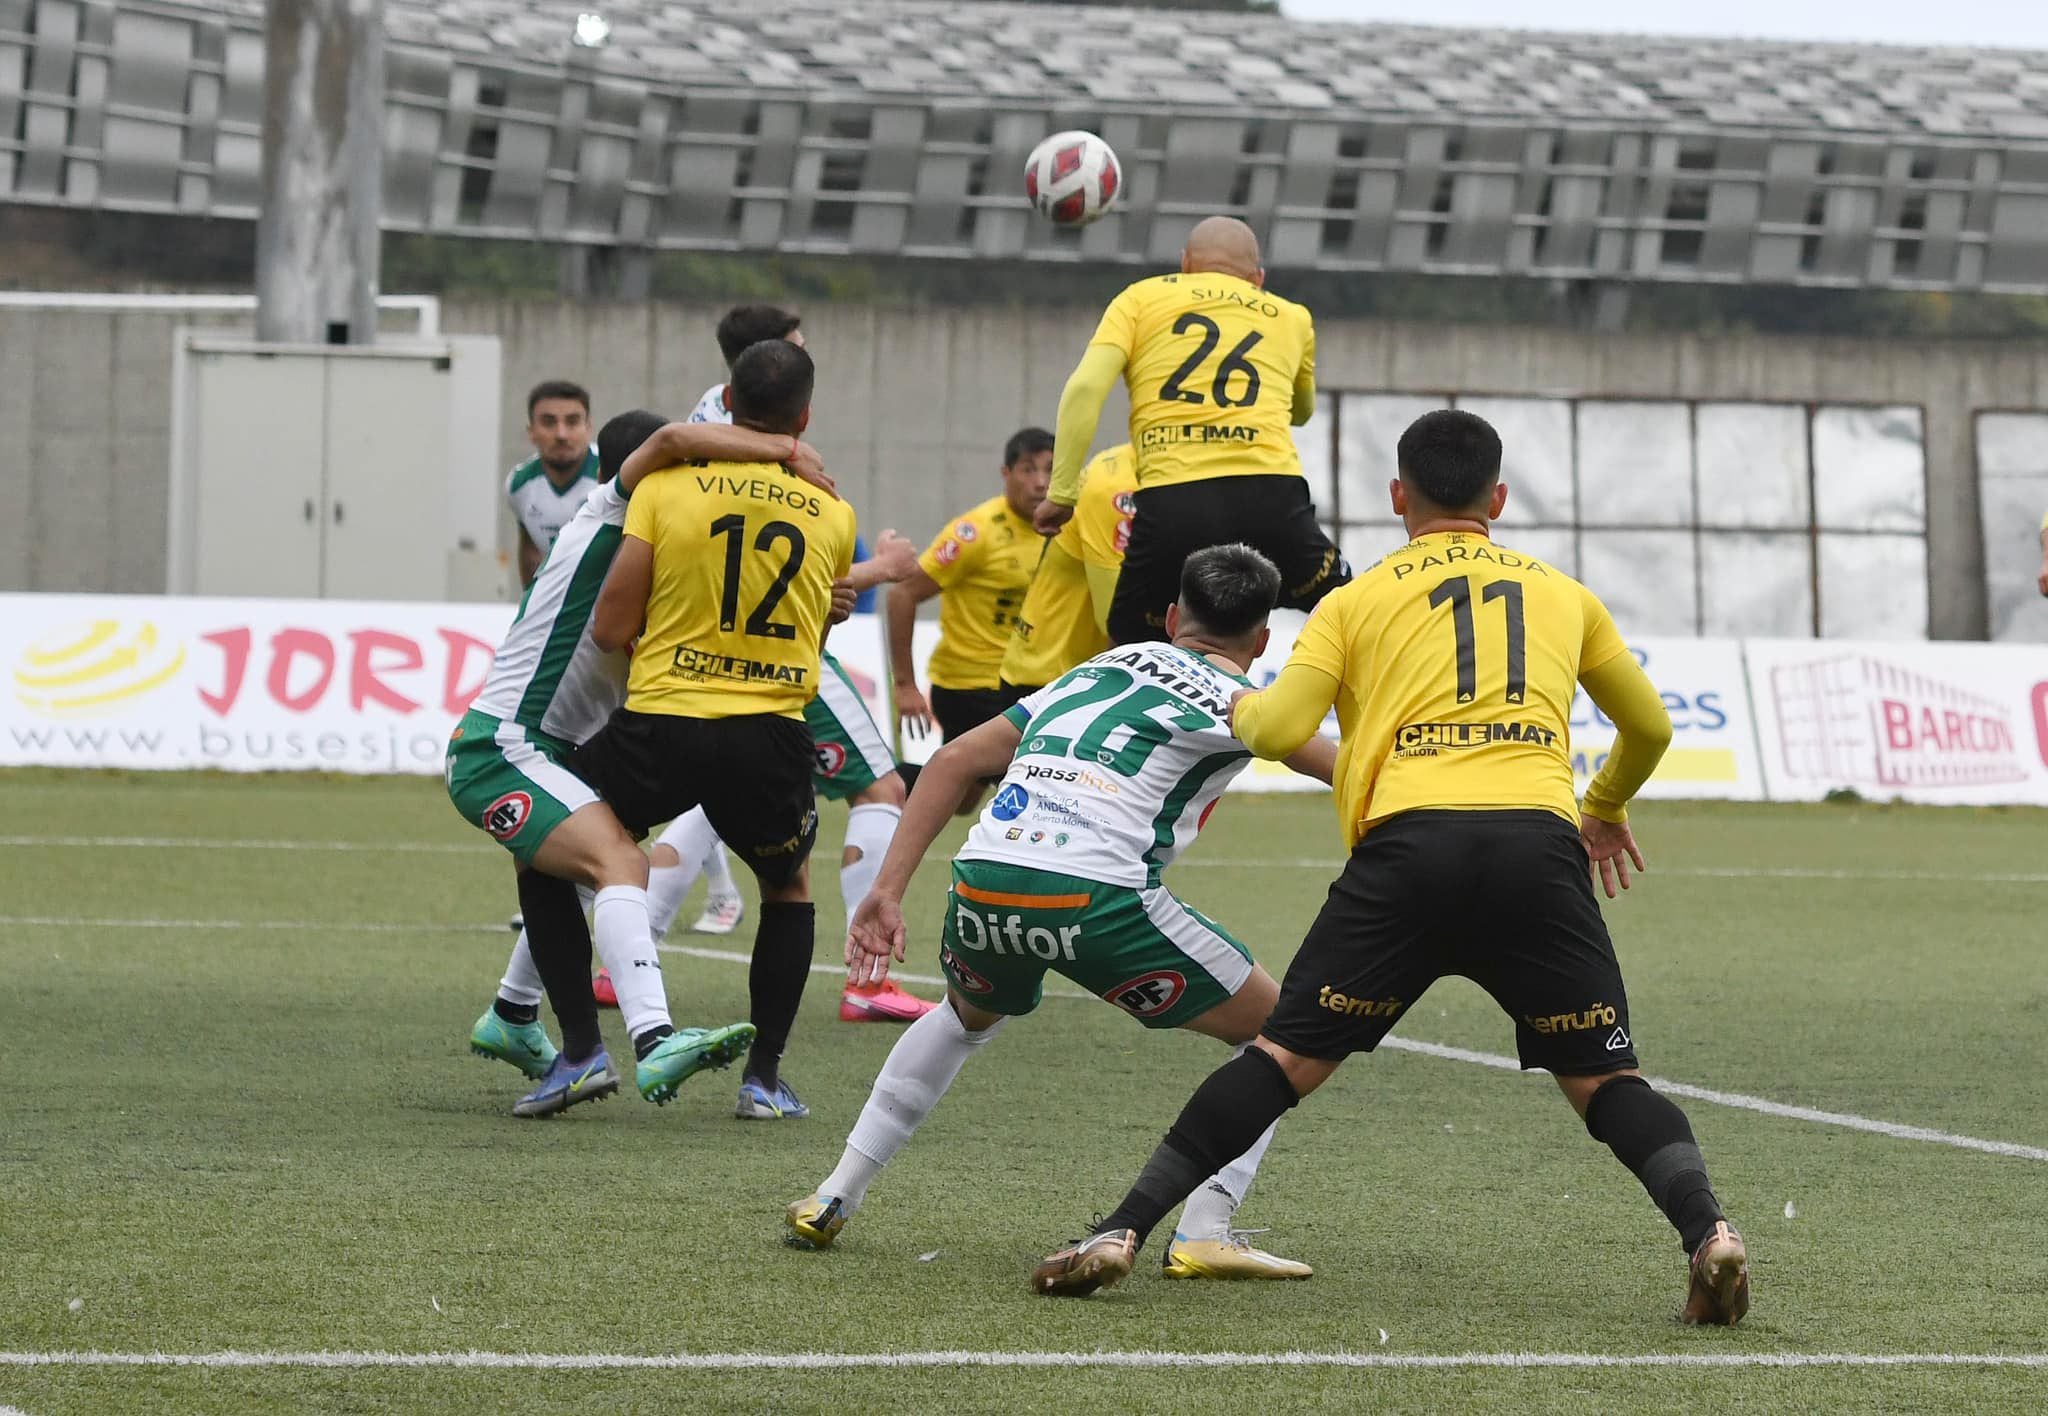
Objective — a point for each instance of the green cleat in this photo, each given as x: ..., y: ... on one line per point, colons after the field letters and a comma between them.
x: 524, y: 1045
x: 684, y: 1053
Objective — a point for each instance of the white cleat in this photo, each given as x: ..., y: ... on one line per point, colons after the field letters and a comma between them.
x: 722, y: 915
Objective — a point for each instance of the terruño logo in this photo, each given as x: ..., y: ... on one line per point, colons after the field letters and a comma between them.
x: 1599, y: 1015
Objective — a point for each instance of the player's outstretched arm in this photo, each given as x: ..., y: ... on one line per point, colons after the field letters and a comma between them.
x: 875, y: 935
x: 899, y: 618
x: 1317, y: 759
x: 894, y: 560
x: 1276, y: 722
x: 676, y: 443
x: 1080, y: 410
x: 1642, y: 730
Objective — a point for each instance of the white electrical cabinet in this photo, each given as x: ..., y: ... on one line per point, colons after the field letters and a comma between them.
x: 361, y: 473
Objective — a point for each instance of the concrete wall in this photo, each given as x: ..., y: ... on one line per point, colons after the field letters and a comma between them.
x: 913, y: 406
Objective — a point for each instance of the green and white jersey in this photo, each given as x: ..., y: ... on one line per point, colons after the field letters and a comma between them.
x: 549, y: 675
x: 542, y: 507
x: 1121, y: 760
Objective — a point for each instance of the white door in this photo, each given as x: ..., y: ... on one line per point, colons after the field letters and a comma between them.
x: 386, y: 503
x: 254, y: 475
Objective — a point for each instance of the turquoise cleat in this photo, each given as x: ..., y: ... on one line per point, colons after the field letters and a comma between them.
x: 524, y: 1045
x: 684, y: 1053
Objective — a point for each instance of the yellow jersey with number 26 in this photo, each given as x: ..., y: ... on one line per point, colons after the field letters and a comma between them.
x: 1216, y: 367
x: 744, y: 559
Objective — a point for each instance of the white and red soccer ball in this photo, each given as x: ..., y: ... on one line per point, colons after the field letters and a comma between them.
x: 1073, y: 178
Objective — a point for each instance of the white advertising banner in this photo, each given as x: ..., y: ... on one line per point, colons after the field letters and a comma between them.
x: 242, y: 685
x: 1957, y: 724
x: 1713, y: 749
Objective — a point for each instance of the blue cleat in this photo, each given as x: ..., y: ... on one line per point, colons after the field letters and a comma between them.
x: 568, y: 1083
x: 524, y: 1045
x: 684, y: 1053
x: 759, y: 1103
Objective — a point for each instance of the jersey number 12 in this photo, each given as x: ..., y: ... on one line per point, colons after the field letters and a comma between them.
x: 734, y: 529
x: 1457, y: 593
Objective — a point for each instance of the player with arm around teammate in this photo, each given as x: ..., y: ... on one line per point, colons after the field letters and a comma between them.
x: 1107, y: 775
x: 1452, y: 665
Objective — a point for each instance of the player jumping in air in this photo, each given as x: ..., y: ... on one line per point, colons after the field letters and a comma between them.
x: 1219, y: 369
x: 550, y: 688
x: 1452, y: 665
x: 1107, y: 775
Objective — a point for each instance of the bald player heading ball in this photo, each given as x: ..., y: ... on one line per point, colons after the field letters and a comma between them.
x: 1219, y: 369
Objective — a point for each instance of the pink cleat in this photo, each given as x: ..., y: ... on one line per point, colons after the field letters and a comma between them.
x: 881, y: 1002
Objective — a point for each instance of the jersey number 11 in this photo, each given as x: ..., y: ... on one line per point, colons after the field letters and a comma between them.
x: 1457, y: 593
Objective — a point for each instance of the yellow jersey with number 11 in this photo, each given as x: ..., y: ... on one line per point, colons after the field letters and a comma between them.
x: 744, y: 559
x: 1216, y: 368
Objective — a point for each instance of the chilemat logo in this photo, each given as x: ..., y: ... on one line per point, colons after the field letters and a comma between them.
x: 93, y: 667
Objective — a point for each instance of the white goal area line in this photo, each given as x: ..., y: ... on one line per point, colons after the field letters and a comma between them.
x: 840, y: 1361
x: 1741, y: 1101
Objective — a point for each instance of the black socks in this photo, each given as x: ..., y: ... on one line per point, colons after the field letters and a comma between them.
x: 775, y: 982
x: 1222, y: 1119
x: 559, y: 938
x: 518, y: 1014
x: 647, y: 1039
x: 1650, y: 1135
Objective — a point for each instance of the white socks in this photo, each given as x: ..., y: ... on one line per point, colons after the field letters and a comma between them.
x: 627, y: 948
x: 1209, y: 1210
x: 521, y: 983
x: 869, y: 829
x: 921, y: 1066
x: 668, y: 885
x: 718, y: 879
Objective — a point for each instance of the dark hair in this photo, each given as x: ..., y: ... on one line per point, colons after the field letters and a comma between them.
x: 1228, y: 590
x: 744, y: 326
x: 1026, y: 442
x: 1450, y: 458
x: 771, y: 386
x: 557, y: 388
x: 621, y: 437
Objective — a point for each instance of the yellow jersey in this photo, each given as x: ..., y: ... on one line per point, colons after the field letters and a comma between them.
x: 744, y: 559
x: 1455, y: 662
x: 982, y: 564
x: 1216, y: 369
x: 1057, y: 628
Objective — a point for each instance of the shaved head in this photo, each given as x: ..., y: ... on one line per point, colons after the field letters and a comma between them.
x: 1226, y: 245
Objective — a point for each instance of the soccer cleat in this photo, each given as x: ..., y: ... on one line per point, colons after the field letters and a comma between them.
x: 1719, y: 1288
x: 882, y: 1002
x: 524, y: 1045
x: 1100, y: 1261
x: 601, y: 989
x: 814, y: 1221
x: 568, y: 1083
x: 1229, y: 1257
x: 722, y: 914
x: 684, y: 1053
x: 759, y: 1103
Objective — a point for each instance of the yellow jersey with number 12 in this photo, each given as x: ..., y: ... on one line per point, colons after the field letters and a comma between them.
x: 744, y: 559
x: 1456, y: 662
x: 1213, y: 364
x: 1057, y: 629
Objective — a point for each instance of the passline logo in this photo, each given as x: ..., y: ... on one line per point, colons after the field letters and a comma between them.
x: 95, y: 667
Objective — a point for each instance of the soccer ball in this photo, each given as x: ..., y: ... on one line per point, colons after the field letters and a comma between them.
x: 1073, y: 178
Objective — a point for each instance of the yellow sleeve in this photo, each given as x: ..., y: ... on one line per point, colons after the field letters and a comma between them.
x: 850, y: 528
x: 1080, y: 410
x: 1642, y: 730
x: 640, y: 517
x: 1601, y: 640
x: 949, y: 557
x: 1305, y: 379
x: 1101, y: 590
x: 1276, y: 721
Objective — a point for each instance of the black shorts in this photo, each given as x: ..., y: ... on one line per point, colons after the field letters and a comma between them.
x: 1271, y: 514
x: 751, y: 774
x: 962, y: 710
x: 1503, y: 898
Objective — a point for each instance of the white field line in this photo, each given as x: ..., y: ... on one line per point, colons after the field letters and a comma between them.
x: 839, y: 1361
x: 1738, y: 1100
x: 1709, y: 872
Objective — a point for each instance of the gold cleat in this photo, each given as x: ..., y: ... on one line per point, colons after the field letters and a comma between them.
x: 1229, y: 1257
x: 1719, y: 1291
x: 814, y: 1221
x: 1101, y: 1261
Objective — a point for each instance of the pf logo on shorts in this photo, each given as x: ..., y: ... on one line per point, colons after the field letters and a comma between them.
x: 967, y: 978
x: 503, y: 817
x: 1148, y: 995
x: 831, y: 758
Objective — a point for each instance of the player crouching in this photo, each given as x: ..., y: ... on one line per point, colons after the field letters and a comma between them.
x: 1107, y: 775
